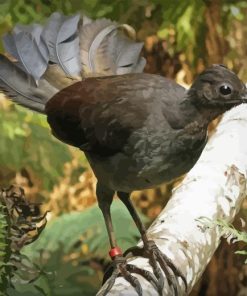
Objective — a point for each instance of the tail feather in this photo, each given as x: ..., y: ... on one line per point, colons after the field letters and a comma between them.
x: 128, y: 56
x: 56, y: 77
x: 66, y: 50
x: 21, y: 87
x: 106, y: 48
x: 139, y: 66
x: 27, y: 47
x: 27, y: 52
x: 60, y: 35
x: 10, y: 46
x: 35, y: 31
x: 91, y: 35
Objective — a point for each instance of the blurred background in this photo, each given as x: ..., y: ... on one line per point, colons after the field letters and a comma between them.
x: 180, y: 39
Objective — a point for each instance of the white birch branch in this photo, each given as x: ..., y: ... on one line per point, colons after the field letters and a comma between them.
x: 214, y: 188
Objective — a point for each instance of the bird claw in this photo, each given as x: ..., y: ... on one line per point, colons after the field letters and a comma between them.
x: 153, y: 253
x: 119, y: 267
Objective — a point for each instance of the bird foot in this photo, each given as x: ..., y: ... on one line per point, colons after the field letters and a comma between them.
x: 119, y: 267
x: 153, y: 253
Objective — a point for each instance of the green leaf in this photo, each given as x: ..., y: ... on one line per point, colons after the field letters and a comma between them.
x: 243, y: 252
x: 26, y: 142
x: 88, y: 228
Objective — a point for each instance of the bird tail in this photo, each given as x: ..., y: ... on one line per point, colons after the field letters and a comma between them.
x: 67, y: 49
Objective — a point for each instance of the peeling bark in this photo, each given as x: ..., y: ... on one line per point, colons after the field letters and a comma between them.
x: 214, y: 188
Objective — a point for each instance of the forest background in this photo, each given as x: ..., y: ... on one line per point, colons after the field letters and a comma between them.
x: 180, y: 38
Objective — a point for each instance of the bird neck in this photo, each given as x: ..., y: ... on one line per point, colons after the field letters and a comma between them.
x: 210, y: 113
x: 201, y: 113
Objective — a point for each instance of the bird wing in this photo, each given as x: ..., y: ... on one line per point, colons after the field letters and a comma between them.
x: 99, y: 114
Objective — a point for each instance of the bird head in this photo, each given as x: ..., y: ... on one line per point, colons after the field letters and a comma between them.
x: 218, y: 87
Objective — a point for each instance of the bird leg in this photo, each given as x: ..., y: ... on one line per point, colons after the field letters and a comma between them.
x: 152, y: 252
x: 119, y: 265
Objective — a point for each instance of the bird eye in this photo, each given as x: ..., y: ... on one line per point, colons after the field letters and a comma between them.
x: 225, y: 90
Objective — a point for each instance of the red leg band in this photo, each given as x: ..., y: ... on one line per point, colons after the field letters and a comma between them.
x: 115, y: 252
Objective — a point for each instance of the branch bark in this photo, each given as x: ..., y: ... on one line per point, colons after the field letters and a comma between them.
x: 214, y: 188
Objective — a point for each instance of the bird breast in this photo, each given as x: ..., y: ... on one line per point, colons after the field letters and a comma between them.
x: 153, y: 155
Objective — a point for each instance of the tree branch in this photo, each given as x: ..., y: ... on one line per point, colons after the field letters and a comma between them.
x: 214, y: 188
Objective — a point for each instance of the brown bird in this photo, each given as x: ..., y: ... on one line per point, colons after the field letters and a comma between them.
x: 137, y: 130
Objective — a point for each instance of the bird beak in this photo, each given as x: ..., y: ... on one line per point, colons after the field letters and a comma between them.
x: 244, y: 95
x: 244, y: 99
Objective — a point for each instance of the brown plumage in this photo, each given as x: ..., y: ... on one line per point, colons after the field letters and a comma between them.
x: 99, y: 114
x: 139, y: 130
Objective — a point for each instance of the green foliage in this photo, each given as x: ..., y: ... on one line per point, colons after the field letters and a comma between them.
x: 58, y: 278
x: 188, y: 22
x: 233, y: 235
x: 65, y: 249
x: 20, y: 224
x: 229, y: 232
x: 76, y: 231
x: 26, y: 142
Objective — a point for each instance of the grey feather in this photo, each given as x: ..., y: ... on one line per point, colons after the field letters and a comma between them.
x: 106, y: 50
x: 60, y: 35
x: 91, y: 35
x: 128, y: 58
x: 21, y: 87
x: 9, y: 45
x: 45, y: 90
x: 35, y: 30
x: 29, y: 55
x: 140, y: 65
x: 28, y: 48
x: 95, y: 45
x: 100, y: 47
x: 106, y: 56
